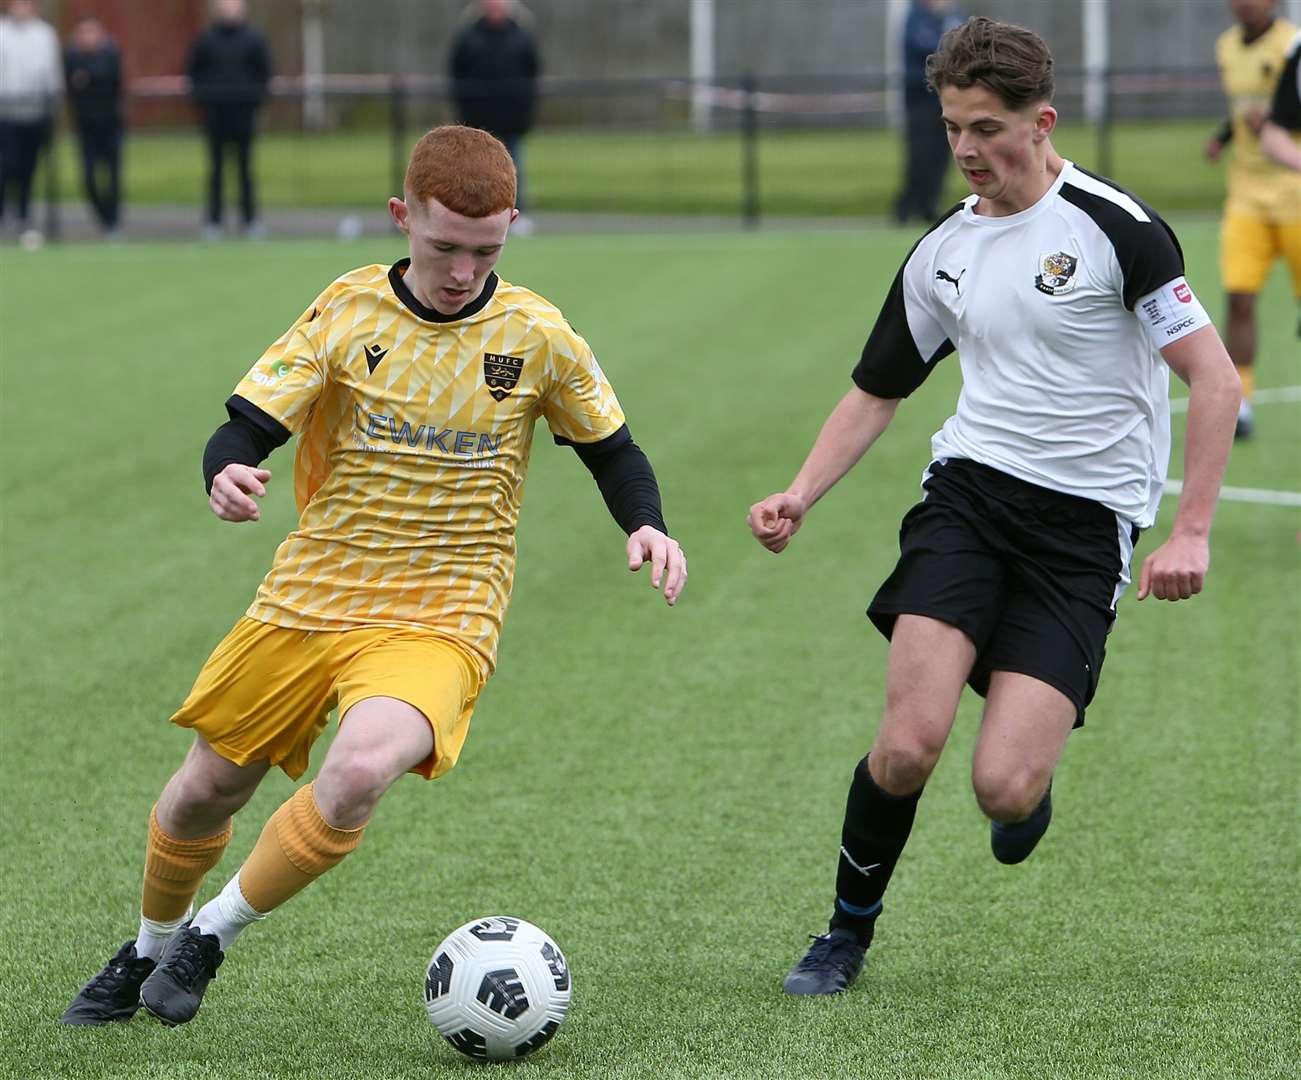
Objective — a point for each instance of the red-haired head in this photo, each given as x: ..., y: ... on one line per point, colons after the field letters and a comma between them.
x: 458, y: 202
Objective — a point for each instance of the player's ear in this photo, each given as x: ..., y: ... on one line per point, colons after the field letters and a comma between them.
x: 1044, y: 122
x: 398, y: 211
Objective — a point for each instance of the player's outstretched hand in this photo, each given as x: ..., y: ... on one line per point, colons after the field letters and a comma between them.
x: 776, y: 519
x: 667, y: 559
x: 232, y: 491
x: 1176, y: 570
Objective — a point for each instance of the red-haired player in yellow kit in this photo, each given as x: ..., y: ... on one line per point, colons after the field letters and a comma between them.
x: 414, y: 390
x: 1262, y: 213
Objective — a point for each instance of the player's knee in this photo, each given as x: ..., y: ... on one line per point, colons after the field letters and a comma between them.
x: 204, y: 793
x: 901, y: 765
x: 349, y: 787
x: 1007, y: 794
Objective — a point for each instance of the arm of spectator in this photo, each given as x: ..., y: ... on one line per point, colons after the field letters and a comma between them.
x: 113, y: 85
x: 262, y: 67
x: 52, y: 76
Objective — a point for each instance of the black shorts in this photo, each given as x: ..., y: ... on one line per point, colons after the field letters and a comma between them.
x: 1031, y: 575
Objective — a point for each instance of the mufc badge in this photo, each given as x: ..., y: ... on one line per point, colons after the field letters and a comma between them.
x: 501, y: 373
x: 1056, y: 273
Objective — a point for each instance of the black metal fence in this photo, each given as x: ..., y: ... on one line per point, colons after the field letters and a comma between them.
x: 384, y: 115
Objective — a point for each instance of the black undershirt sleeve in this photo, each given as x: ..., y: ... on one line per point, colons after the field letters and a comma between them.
x: 247, y: 438
x: 625, y: 478
x: 1224, y: 133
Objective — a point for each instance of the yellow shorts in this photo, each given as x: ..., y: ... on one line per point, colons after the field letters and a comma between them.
x: 1248, y: 247
x: 266, y: 691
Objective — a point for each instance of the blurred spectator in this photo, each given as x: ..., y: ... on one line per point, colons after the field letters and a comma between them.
x: 495, y: 68
x: 31, y: 82
x: 926, y: 145
x: 229, y: 69
x: 93, y: 66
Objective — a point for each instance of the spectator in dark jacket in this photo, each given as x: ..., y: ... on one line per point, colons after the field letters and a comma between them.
x: 229, y: 69
x: 927, y: 145
x: 495, y: 68
x: 93, y: 68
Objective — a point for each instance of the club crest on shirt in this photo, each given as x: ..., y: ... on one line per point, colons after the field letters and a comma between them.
x: 501, y: 373
x: 1056, y: 273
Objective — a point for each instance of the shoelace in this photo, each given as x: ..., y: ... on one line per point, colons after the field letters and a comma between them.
x: 838, y: 952
x: 107, y: 982
x: 191, y: 960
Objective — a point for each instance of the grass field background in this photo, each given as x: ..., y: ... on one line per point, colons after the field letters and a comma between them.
x: 659, y: 789
x: 817, y: 173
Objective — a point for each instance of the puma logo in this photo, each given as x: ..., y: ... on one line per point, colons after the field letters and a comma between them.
x: 941, y: 275
x: 866, y: 871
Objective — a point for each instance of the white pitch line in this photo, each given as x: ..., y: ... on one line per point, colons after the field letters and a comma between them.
x: 1246, y: 495
x: 1272, y: 396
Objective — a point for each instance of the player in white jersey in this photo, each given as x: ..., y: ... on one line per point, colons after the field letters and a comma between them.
x: 1065, y: 299
x: 1278, y: 138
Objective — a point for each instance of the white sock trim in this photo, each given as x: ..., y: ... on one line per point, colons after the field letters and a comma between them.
x: 227, y: 914
x: 154, y: 933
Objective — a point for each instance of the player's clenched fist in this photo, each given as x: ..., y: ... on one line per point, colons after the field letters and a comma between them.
x: 776, y: 519
x: 1176, y: 570
x: 233, y: 489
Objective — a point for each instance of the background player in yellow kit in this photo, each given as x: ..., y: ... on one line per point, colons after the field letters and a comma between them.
x: 1262, y: 213
x: 414, y: 390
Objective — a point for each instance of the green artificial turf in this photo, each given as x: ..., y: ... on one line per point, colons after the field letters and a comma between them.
x: 659, y: 789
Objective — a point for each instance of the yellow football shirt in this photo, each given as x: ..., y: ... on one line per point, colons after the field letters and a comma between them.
x: 1257, y: 187
x: 414, y: 432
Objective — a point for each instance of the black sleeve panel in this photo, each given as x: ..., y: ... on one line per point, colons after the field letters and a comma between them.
x: 1148, y: 251
x: 891, y: 364
x: 1224, y: 133
x: 241, y: 440
x: 625, y: 478
x: 1286, y: 108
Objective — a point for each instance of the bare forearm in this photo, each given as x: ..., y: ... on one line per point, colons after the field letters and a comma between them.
x: 1212, y: 411
x: 853, y: 426
x: 1276, y: 142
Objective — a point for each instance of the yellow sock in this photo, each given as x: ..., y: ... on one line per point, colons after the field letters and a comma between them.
x: 1248, y: 377
x: 296, y: 847
x: 174, y: 869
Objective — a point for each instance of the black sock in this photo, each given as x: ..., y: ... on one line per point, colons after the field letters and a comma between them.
x: 872, y: 839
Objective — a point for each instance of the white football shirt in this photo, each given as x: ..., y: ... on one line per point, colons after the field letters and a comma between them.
x: 1057, y: 314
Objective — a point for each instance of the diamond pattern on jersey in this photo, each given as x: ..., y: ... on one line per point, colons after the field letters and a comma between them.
x: 409, y: 479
